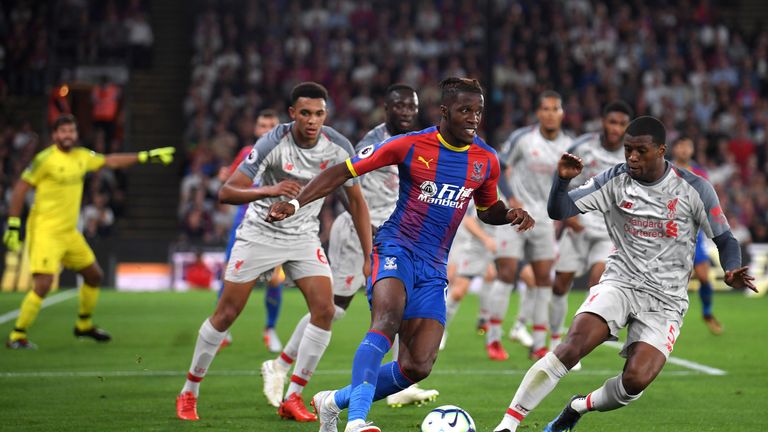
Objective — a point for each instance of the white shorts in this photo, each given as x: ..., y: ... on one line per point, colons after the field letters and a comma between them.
x: 578, y: 252
x: 249, y: 259
x: 470, y: 257
x: 647, y: 318
x: 346, y: 256
x: 536, y: 244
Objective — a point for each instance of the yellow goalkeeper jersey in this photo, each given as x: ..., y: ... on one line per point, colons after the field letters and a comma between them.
x: 58, y: 178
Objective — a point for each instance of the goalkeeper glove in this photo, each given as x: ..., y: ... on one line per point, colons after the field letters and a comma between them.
x: 163, y: 155
x: 11, y: 236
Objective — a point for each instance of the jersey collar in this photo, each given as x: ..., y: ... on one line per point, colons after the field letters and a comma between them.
x: 451, y: 147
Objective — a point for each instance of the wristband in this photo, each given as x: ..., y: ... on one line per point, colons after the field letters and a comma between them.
x: 14, y: 223
x: 295, y: 203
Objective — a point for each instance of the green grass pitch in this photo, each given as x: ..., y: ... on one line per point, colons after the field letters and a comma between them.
x: 131, y: 383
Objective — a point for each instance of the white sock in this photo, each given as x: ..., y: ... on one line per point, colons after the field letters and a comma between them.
x: 558, y: 308
x: 291, y: 349
x: 498, y: 305
x: 525, y: 304
x: 451, y: 307
x: 494, y: 331
x: 610, y: 396
x: 313, y: 345
x: 537, y: 383
x: 485, y: 300
x: 541, y: 316
x: 208, y: 341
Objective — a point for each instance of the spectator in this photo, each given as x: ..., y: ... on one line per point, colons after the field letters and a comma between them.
x: 97, y: 218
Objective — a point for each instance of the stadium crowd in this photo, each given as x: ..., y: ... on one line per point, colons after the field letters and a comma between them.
x: 680, y: 62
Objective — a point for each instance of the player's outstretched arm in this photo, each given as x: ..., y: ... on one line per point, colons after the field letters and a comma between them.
x: 163, y: 155
x: 239, y: 189
x: 729, y: 250
x: 11, y: 237
x: 319, y: 187
x: 499, y: 214
x: 559, y: 205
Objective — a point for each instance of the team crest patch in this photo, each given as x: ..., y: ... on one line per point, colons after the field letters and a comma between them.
x: 390, y: 264
x: 477, y: 171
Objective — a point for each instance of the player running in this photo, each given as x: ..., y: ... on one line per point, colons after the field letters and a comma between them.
x: 531, y: 154
x: 288, y: 156
x: 441, y: 168
x: 57, y: 175
x: 585, y: 243
x: 273, y: 297
x: 653, y: 211
x: 345, y: 253
x: 682, y: 156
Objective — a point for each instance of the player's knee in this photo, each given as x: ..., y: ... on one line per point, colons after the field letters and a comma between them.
x: 417, y: 370
x: 225, y: 315
x: 635, y: 380
x: 506, y: 274
x: 568, y: 353
x: 323, y: 314
x: 94, y: 278
x: 560, y: 286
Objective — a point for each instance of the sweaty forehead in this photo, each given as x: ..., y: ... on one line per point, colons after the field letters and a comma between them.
x: 311, y: 104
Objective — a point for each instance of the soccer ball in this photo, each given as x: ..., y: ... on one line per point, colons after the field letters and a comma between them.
x: 448, y: 418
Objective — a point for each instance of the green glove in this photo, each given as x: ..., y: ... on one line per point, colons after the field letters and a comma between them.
x: 11, y: 236
x: 163, y: 155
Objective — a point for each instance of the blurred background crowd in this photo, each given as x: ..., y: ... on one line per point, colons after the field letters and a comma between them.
x: 705, y: 76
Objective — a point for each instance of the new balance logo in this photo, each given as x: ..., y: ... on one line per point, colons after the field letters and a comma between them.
x: 424, y: 161
x: 626, y: 205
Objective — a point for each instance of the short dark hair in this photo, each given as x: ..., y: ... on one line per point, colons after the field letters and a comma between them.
x: 452, y: 86
x: 647, y: 125
x: 309, y: 89
x: 64, y: 119
x: 546, y: 94
x: 619, y: 106
x: 269, y: 113
x: 399, y: 87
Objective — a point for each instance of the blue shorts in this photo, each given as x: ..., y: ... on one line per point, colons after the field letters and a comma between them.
x: 426, y: 283
x: 700, y: 255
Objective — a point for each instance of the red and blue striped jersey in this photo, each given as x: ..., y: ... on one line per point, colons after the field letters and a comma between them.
x: 437, y: 180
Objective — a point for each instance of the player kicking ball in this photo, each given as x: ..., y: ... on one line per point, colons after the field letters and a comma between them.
x: 57, y: 175
x: 653, y: 212
x: 441, y: 168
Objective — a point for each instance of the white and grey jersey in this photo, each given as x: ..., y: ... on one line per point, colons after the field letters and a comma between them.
x: 380, y: 187
x: 596, y: 159
x: 276, y: 157
x: 533, y: 159
x: 653, y: 227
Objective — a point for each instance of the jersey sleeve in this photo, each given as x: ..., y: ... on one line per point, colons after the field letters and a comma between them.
x: 710, y: 215
x: 596, y: 193
x: 93, y: 160
x: 244, y: 152
x: 251, y: 165
x: 375, y: 156
x: 487, y: 194
x: 347, y: 150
